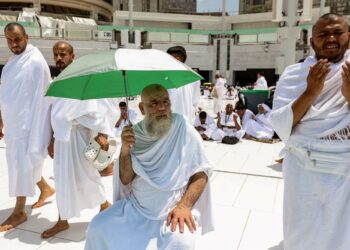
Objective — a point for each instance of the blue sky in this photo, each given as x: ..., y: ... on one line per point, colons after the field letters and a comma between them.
x: 216, y: 5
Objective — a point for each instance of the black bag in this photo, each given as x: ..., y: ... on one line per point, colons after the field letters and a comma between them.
x: 230, y: 140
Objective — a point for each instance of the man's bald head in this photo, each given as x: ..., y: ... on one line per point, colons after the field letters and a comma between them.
x: 63, y: 54
x: 155, y: 105
x: 65, y: 45
x: 229, y: 108
x: 330, y: 37
x: 13, y: 26
x: 153, y: 90
x: 16, y: 38
x: 331, y: 17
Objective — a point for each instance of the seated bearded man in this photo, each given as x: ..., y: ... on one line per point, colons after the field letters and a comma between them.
x: 161, y: 189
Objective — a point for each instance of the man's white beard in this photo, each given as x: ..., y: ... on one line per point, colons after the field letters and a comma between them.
x: 158, y: 127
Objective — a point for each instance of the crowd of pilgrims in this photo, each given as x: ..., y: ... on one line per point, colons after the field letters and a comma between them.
x: 235, y: 121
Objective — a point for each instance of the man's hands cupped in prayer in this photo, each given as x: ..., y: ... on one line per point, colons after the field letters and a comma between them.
x: 315, y: 83
x: 317, y: 76
x: 124, y: 115
x: 180, y: 216
x: 345, y: 89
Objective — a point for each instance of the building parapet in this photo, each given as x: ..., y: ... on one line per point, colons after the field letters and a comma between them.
x: 74, y: 31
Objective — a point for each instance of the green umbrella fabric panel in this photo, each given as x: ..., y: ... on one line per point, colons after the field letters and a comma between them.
x: 111, y: 84
x: 86, y: 65
x: 105, y: 75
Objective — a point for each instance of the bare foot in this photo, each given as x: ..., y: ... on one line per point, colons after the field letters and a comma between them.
x: 248, y: 137
x: 264, y: 140
x: 13, y: 221
x: 46, y: 193
x: 60, y: 226
x: 104, y: 206
x: 108, y: 170
x: 280, y: 160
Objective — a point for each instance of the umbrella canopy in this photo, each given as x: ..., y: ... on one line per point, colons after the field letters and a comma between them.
x: 120, y: 73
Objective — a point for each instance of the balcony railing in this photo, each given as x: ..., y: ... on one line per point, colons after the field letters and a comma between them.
x: 74, y: 31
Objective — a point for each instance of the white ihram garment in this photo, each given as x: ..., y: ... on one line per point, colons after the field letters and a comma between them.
x: 228, y: 120
x: 260, y: 128
x: 25, y: 113
x: 261, y: 83
x: 184, y: 100
x: 132, y: 117
x: 248, y: 115
x: 220, y: 89
x: 78, y: 183
x: 316, y: 168
x: 163, y: 168
x: 211, y: 130
x: 231, y: 96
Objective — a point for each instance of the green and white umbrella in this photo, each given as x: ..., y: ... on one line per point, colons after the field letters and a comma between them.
x: 120, y: 73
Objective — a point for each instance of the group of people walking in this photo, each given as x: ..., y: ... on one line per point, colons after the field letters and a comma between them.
x: 36, y: 126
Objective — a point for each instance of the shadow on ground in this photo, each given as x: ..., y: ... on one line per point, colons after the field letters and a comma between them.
x: 279, y: 247
x: 276, y: 167
x: 76, y: 231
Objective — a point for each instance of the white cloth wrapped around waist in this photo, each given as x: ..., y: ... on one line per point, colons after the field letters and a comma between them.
x: 155, y: 204
x: 331, y: 157
x: 151, y: 202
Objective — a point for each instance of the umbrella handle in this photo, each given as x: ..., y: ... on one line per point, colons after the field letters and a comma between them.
x: 129, y: 122
x: 127, y: 108
x: 126, y: 95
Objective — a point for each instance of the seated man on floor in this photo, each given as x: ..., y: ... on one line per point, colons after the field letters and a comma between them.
x: 127, y: 115
x: 231, y: 93
x: 229, y: 123
x: 206, y: 127
x: 243, y: 113
x: 256, y: 127
x: 206, y: 91
x: 161, y: 188
x: 263, y: 118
